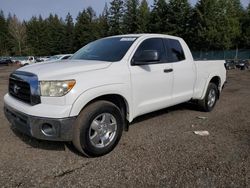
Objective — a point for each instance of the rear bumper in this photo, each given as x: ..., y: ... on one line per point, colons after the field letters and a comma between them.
x: 59, y: 129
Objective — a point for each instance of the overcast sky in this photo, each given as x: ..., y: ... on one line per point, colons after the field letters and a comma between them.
x: 25, y: 9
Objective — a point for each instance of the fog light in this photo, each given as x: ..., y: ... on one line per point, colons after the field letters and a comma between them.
x: 48, y: 130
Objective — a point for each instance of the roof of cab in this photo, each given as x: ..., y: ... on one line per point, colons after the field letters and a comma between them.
x: 145, y: 35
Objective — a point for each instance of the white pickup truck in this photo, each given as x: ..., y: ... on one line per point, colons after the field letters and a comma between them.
x: 92, y: 97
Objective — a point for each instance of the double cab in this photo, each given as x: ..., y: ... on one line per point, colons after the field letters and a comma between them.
x: 91, y: 98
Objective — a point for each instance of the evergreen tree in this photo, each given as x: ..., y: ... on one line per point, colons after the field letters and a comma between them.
x: 210, y: 25
x: 228, y: 24
x: 237, y: 8
x: 56, y: 34
x: 43, y: 37
x: 103, y: 25
x: 159, y: 21
x: 143, y: 18
x: 237, y: 12
x: 179, y: 14
x: 215, y: 25
x: 33, y: 38
x: 37, y: 36
x: 115, y: 17
x: 85, y: 28
x: 202, y: 13
x: 131, y: 16
x: 246, y: 28
x: 69, y: 34
x: 4, y: 35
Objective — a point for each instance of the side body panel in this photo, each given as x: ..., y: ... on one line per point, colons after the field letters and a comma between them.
x: 184, y: 77
x: 206, y: 70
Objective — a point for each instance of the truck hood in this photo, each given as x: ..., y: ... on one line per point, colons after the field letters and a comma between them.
x: 61, y: 69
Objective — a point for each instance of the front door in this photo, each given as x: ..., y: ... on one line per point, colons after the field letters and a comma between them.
x: 152, y: 83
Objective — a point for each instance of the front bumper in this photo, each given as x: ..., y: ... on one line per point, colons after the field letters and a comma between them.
x: 59, y: 129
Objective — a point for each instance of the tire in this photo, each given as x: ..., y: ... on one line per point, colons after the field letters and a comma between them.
x: 207, y: 104
x: 95, y: 133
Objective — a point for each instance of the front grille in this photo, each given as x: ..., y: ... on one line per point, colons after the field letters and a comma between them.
x: 20, y: 90
x: 24, y: 86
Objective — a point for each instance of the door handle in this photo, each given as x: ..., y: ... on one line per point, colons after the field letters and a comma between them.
x: 168, y: 70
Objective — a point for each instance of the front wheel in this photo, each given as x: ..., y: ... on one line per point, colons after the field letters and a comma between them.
x: 98, y: 129
x: 207, y: 104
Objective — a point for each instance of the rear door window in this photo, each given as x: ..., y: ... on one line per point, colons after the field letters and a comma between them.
x: 175, y: 51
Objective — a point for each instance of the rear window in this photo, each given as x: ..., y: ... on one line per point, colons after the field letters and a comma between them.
x: 175, y: 51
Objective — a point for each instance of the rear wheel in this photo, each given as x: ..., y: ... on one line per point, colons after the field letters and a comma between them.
x: 207, y: 104
x: 98, y: 129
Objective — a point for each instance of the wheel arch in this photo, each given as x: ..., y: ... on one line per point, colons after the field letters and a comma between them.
x: 116, y: 98
x: 120, y: 102
x: 217, y: 81
x: 213, y: 79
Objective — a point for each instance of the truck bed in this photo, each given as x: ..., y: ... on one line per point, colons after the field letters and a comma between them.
x: 204, y: 71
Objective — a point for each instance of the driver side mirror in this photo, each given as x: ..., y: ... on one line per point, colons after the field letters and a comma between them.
x: 146, y: 57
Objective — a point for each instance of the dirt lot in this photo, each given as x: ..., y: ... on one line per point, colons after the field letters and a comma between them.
x: 160, y: 149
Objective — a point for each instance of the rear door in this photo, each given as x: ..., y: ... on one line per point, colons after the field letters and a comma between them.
x: 151, y: 83
x: 184, y: 72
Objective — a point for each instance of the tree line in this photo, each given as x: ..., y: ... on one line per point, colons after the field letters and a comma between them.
x: 209, y: 25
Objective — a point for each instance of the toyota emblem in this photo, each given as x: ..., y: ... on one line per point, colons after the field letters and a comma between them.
x: 16, y: 89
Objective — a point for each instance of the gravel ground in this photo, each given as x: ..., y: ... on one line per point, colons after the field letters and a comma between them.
x: 160, y: 149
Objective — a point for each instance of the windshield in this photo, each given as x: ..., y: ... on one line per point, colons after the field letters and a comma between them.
x: 107, y: 49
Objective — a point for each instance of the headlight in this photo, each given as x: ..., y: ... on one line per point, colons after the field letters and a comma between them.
x: 56, y: 88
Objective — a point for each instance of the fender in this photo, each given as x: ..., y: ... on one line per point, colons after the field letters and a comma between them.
x: 210, y: 77
x: 90, y: 94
